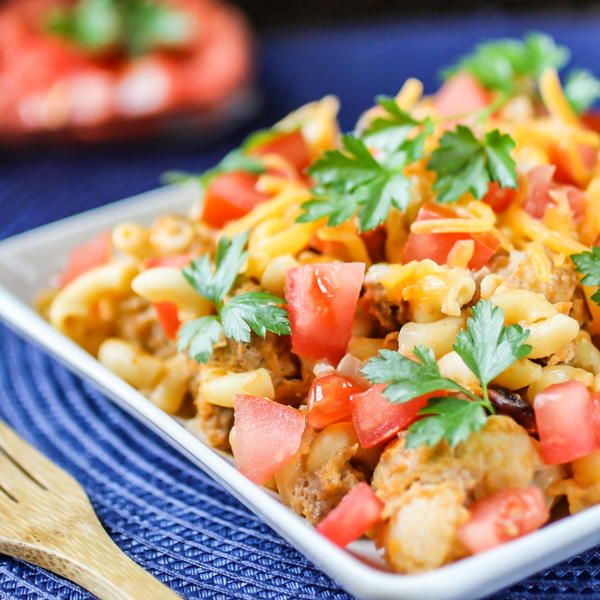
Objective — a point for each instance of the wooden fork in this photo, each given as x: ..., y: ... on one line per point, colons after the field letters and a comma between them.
x: 46, y: 519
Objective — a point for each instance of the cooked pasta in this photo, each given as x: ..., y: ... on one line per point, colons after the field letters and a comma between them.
x: 405, y: 317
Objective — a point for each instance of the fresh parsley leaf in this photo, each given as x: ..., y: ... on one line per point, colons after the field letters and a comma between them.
x: 256, y: 311
x: 407, y: 378
x: 450, y: 419
x: 503, y: 64
x: 199, y: 337
x: 390, y: 131
x: 487, y: 346
x: 355, y: 180
x: 229, y: 258
x: 465, y: 164
x: 588, y: 264
x: 237, y: 317
x: 582, y: 89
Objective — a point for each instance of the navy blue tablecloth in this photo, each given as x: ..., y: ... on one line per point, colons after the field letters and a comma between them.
x: 164, y: 512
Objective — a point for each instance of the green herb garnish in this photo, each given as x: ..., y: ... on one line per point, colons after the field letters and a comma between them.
x: 486, y: 346
x: 588, y: 264
x: 237, y: 317
x: 506, y: 65
x: 366, y: 177
x: 582, y: 89
x: 465, y: 164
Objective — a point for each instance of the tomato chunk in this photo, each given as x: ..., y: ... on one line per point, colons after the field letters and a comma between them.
x: 577, y: 171
x: 377, y: 420
x: 321, y: 305
x: 357, y: 512
x: 267, y: 435
x: 93, y: 253
x: 437, y: 246
x: 230, y: 196
x: 564, y: 418
x: 462, y: 93
x: 168, y: 318
x: 291, y: 146
x: 500, y: 198
x: 539, y: 183
x: 329, y: 400
x: 503, y: 516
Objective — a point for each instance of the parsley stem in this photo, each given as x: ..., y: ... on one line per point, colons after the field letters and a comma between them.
x: 479, y: 115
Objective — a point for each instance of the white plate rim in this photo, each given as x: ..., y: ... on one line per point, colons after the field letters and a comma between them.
x: 467, y: 579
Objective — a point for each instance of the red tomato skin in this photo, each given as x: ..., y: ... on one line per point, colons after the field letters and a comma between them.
x: 291, y: 146
x: 375, y: 240
x: 591, y: 120
x: 539, y: 183
x: 437, y: 246
x: 267, y: 435
x: 376, y: 420
x: 328, y: 400
x: 168, y: 318
x: 462, y: 93
x: 357, y: 512
x: 564, y: 418
x: 93, y: 253
x: 565, y: 172
x: 321, y: 302
x: 503, y: 516
x: 177, y: 261
x: 230, y: 196
x: 500, y: 198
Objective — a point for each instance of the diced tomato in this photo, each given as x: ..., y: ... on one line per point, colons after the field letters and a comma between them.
x: 359, y: 510
x: 577, y: 202
x: 566, y: 170
x: 321, y: 305
x: 564, y: 418
x: 437, y: 246
x: 500, y: 198
x: 93, y: 253
x: 502, y: 517
x: 377, y: 420
x: 230, y: 196
x: 291, y: 146
x: 591, y: 120
x: 267, y: 435
x: 329, y: 400
x: 168, y: 318
x: 539, y: 183
x: 462, y: 93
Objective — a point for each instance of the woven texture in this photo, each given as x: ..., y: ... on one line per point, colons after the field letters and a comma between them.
x: 164, y: 512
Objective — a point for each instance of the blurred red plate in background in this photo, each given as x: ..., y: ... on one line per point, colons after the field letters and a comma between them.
x: 96, y: 70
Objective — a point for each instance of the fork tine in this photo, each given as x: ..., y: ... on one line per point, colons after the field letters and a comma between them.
x: 29, y: 463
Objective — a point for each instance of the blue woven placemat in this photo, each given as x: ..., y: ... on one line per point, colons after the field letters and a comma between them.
x: 164, y: 512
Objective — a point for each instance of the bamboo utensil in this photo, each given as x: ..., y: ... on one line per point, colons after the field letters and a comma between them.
x: 47, y: 519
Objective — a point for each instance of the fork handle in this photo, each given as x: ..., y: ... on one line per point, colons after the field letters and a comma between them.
x: 96, y: 564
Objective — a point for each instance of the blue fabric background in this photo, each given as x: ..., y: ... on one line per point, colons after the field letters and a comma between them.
x: 165, y: 513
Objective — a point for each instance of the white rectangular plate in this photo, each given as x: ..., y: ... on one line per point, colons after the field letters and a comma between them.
x: 360, y: 571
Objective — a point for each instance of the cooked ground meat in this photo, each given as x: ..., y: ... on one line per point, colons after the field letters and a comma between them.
x: 427, y: 490
x: 321, y: 474
x: 374, y: 303
x: 273, y: 353
x: 216, y: 423
x: 136, y: 322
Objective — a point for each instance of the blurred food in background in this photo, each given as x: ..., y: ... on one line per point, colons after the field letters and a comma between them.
x: 92, y: 70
